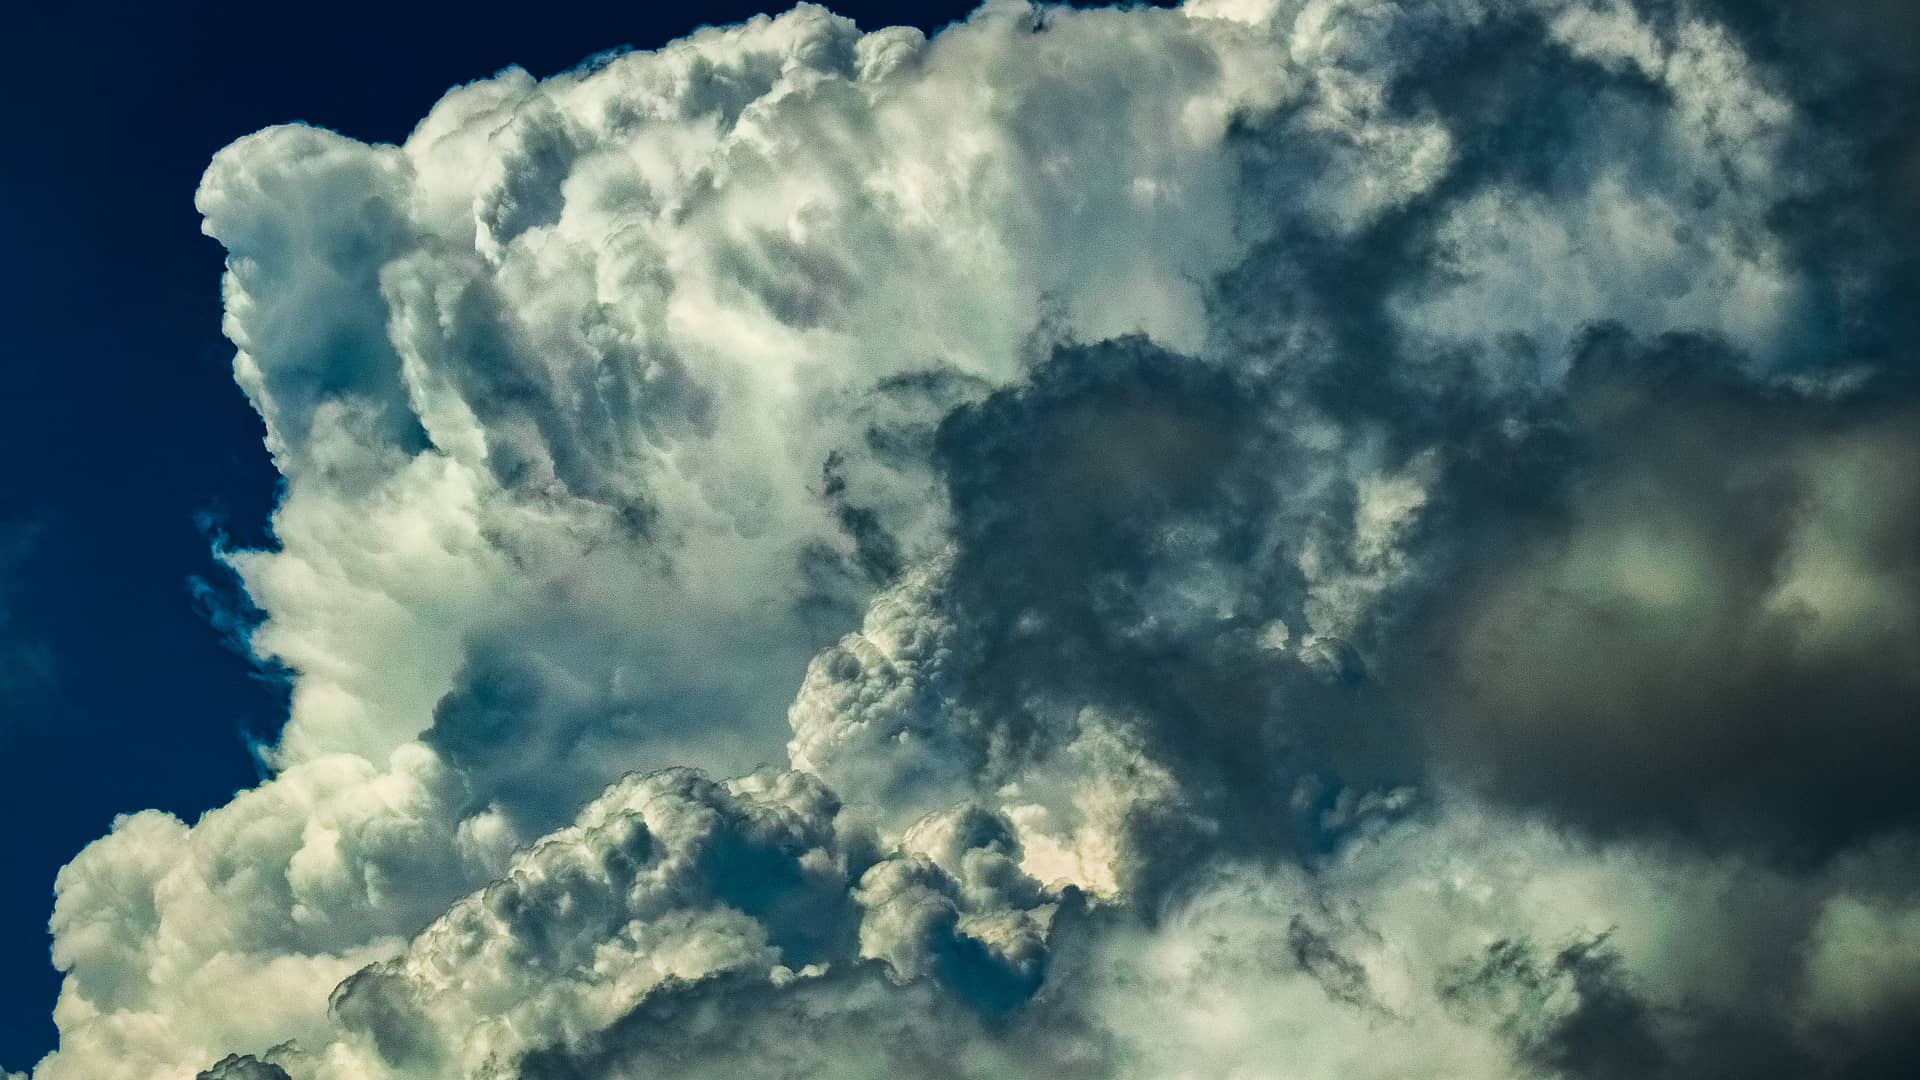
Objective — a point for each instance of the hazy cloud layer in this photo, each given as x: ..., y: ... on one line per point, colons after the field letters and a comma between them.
x: 1269, y: 538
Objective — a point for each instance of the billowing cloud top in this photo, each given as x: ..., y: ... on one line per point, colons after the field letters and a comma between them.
x: 1275, y: 538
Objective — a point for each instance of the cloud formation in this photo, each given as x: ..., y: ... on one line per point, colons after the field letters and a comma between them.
x: 1268, y: 538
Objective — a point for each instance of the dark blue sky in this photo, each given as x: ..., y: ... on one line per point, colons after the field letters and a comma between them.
x: 120, y: 425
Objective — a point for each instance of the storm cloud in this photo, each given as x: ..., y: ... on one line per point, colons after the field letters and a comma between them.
x: 1264, y: 538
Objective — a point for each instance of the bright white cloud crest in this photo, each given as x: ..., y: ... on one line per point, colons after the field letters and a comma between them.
x: 1051, y: 441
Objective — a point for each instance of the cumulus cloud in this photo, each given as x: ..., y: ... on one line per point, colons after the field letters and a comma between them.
x: 1270, y: 537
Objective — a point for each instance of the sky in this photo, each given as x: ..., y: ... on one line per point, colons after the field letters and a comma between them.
x: 1292, y: 538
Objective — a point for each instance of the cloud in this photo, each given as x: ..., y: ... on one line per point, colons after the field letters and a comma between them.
x: 242, y: 1067
x: 1710, y: 622
x: 1336, y: 538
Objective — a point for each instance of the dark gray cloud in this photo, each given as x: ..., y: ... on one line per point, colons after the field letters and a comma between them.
x: 1573, y: 1014
x: 1114, y: 526
x: 243, y: 1067
x: 1854, y: 68
x: 1707, y: 620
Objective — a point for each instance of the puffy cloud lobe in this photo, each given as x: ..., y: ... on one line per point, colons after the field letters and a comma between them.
x: 665, y: 883
x: 242, y: 1067
x: 664, y: 877
x: 172, y: 935
x: 1324, y: 537
x: 874, y: 716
